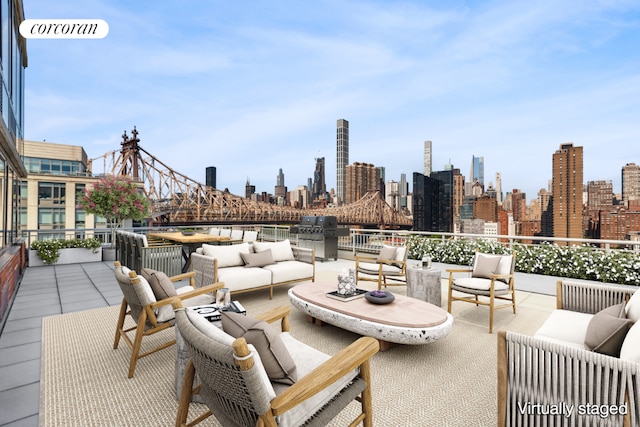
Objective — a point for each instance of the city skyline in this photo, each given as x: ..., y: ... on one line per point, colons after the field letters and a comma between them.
x: 250, y: 90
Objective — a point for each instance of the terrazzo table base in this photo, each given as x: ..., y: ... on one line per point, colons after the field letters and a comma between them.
x: 404, y: 321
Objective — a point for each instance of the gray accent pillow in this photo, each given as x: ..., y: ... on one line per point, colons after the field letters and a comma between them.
x: 258, y: 259
x: 607, y: 330
x: 160, y: 283
x: 485, y: 266
x: 387, y: 253
x: 275, y: 357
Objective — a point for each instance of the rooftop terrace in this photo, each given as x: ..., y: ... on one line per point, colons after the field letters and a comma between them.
x: 51, y: 290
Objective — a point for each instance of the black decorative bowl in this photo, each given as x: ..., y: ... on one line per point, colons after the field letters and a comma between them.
x: 188, y: 233
x: 386, y: 299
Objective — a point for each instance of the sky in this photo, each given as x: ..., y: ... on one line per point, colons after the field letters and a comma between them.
x: 254, y: 86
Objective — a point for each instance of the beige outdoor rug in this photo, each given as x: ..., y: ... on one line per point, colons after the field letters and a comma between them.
x: 451, y: 382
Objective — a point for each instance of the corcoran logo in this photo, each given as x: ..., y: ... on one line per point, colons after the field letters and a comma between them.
x: 64, y: 29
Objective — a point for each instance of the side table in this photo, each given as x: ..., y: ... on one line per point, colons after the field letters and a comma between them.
x: 424, y: 284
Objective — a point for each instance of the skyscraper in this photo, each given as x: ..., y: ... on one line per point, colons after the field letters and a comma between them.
x: 630, y: 182
x: 477, y: 170
x: 433, y: 201
x: 361, y: 178
x: 210, y: 176
x: 319, y: 184
x: 566, y: 190
x: 428, y: 157
x: 342, y: 158
x: 280, y: 189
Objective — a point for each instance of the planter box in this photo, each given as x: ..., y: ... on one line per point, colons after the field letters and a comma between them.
x: 68, y: 256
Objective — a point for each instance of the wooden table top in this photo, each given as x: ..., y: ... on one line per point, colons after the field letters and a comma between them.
x: 178, y: 237
x: 403, y: 311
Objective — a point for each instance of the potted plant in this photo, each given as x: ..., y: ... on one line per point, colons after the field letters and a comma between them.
x: 115, y: 198
x: 64, y: 251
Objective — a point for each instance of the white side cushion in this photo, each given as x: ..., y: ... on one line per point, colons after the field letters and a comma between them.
x: 565, y: 326
x: 227, y: 256
x: 631, y: 345
x: 373, y: 268
x: 281, y: 251
x: 632, y: 309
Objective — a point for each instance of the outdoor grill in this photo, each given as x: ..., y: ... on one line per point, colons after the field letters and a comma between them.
x: 321, y: 234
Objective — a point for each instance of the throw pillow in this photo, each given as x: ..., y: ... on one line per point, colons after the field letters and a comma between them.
x: 160, y: 283
x: 275, y: 357
x: 387, y: 253
x: 607, y: 330
x: 632, y: 309
x: 259, y: 259
x: 485, y: 265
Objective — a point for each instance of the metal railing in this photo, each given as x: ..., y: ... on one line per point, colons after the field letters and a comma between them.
x: 358, y: 240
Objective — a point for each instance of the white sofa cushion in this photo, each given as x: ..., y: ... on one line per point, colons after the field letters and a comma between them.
x: 307, y: 358
x: 285, y: 271
x: 281, y: 251
x: 240, y: 278
x: 565, y: 326
x: 227, y: 255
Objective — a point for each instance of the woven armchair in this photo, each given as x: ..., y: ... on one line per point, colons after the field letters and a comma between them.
x: 389, y: 268
x: 149, y: 313
x: 236, y: 389
x: 536, y: 374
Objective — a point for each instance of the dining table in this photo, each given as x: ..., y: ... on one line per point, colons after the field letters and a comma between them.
x: 191, y: 242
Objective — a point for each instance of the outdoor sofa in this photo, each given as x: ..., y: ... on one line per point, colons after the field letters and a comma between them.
x: 582, y: 367
x: 250, y: 266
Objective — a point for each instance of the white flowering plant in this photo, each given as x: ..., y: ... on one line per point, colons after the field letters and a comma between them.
x: 573, y: 262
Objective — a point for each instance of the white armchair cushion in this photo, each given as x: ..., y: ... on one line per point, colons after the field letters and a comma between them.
x: 373, y: 268
x: 565, y: 326
x: 228, y: 255
x: 307, y: 358
x: 144, y: 291
x: 281, y: 251
x: 479, y: 284
x: 632, y: 309
x: 631, y: 346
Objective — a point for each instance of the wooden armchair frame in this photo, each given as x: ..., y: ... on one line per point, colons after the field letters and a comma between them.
x: 145, y: 317
x: 507, y: 295
x: 399, y: 278
x: 356, y: 355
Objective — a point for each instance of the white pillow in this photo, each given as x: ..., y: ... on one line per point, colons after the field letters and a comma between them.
x: 144, y: 291
x: 632, y: 309
x: 228, y: 256
x: 207, y: 328
x: 631, y: 345
x: 281, y: 251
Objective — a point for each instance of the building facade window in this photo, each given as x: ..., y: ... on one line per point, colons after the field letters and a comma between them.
x: 51, y: 193
x: 54, y: 167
